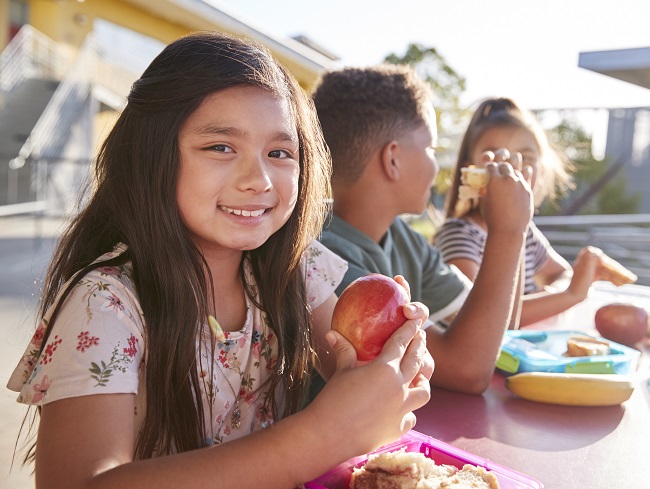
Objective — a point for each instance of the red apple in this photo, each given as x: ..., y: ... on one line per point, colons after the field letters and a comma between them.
x: 623, y: 323
x: 368, y: 312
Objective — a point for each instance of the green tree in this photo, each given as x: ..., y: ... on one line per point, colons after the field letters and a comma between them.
x: 446, y: 83
x: 600, y: 185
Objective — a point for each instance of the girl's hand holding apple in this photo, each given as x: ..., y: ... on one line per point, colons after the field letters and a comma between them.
x: 369, y: 311
x: 375, y: 399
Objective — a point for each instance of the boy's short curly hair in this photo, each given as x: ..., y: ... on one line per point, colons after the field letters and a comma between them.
x: 362, y: 109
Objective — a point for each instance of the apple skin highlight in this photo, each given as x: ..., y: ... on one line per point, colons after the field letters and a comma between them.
x: 368, y: 312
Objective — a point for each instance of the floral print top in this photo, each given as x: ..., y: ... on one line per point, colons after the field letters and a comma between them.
x: 98, y: 346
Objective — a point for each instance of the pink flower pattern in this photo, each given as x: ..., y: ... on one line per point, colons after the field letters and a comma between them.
x: 131, y: 350
x: 86, y: 341
x: 40, y: 389
x: 49, y: 350
x: 38, y: 336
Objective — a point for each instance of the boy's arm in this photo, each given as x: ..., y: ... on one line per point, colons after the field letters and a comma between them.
x: 517, y: 307
x: 466, y: 352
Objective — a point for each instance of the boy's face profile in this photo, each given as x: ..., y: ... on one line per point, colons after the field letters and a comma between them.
x: 239, y: 169
x: 416, y: 152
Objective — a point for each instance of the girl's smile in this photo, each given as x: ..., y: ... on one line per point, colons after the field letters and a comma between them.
x: 243, y: 212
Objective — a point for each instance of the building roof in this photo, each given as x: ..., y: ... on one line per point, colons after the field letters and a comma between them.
x: 304, y: 61
x: 630, y: 65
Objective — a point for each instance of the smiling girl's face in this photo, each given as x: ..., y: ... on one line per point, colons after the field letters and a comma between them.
x: 239, y: 169
x: 515, y: 140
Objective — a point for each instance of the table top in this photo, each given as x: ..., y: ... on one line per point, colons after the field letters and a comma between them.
x: 563, y: 447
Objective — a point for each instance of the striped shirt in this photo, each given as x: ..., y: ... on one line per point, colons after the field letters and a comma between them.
x: 459, y: 238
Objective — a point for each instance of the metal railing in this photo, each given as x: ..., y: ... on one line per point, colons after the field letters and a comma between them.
x: 91, y: 73
x: 30, y: 54
x: 63, y: 107
x: 624, y: 237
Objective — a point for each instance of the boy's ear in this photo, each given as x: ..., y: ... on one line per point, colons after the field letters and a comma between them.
x: 390, y: 160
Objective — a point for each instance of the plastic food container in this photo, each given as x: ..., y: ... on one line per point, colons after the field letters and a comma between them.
x: 542, y: 351
x: 438, y: 451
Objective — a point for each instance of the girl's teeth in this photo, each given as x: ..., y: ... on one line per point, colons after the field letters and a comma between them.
x: 239, y: 212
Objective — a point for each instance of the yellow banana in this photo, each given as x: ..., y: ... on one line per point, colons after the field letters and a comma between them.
x: 572, y: 389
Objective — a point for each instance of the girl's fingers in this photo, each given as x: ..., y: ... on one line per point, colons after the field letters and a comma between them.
x: 402, y: 281
x: 415, y: 310
x: 346, y: 355
x: 421, y: 382
x: 417, y: 358
x: 395, y: 348
x: 419, y: 393
x: 408, y: 423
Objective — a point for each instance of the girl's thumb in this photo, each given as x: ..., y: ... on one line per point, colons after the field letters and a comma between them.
x: 346, y: 355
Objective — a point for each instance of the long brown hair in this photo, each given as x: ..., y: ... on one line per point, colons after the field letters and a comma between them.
x: 553, y: 173
x: 134, y: 202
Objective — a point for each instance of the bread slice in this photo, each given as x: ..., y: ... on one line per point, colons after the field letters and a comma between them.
x: 585, y: 346
x: 412, y: 470
x: 474, y: 177
x: 617, y: 273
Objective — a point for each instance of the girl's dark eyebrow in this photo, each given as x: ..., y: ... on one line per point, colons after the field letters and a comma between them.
x: 214, y: 129
x: 285, y: 136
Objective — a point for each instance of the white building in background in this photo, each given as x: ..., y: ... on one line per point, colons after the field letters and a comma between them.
x: 628, y: 133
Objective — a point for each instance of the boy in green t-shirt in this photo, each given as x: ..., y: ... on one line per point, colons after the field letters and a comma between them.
x: 380, y: 126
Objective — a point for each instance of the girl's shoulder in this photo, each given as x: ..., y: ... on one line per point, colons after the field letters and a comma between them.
x: 317, y: 254
x: 95, y: 343
x: 324, y: 271
x: 117, y: 277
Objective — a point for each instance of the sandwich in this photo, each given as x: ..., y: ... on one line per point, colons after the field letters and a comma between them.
x: 413, y: 470
x: 473, y: 179
x: 585, y: 346
x: 616, y: 273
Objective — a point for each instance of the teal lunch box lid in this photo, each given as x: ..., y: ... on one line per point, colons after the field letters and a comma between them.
x: 543, y: 351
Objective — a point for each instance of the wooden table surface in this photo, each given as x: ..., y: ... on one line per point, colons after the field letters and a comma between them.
x: 563, y: 447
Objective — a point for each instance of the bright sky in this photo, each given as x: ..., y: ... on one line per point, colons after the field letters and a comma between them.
x: 525, y: 49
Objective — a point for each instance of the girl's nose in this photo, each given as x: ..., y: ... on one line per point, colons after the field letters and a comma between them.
x: 254, y: 175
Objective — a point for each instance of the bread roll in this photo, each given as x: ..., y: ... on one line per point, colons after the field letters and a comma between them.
x: 617, y: 273
x: 586, y: 346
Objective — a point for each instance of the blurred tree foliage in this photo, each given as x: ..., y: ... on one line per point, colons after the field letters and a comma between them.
x: 446, y: 83
x: 594, y: 191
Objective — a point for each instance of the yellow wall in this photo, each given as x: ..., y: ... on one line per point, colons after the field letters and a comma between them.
x: 68, y: 22
x: 4, y: 22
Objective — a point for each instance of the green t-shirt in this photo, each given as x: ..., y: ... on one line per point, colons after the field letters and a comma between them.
x: 402, y: 251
